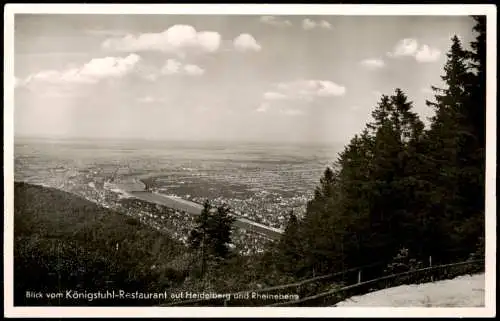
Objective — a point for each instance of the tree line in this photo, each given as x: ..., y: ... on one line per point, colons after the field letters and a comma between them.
x: 399, y: 185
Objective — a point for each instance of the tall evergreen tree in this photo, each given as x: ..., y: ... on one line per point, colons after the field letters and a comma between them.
x: 213, y: 231
x: 457, y: 159
x: 477, y: 58
x: 395, y: 131
x: 313, y: 231
x: 219, y: 232
x: 444, y: 143
x: 476, y: 115
x: 397, y: 185
x: 290, y: 260
x: 355, y: 188
x: 198, y: 237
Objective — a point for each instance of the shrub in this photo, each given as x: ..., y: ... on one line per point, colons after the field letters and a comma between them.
x: 402, y: 262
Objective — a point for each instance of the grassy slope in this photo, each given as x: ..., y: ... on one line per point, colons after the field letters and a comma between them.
x: 64, y: 242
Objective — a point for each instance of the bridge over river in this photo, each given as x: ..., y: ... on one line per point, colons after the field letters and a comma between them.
x: 136, y: 189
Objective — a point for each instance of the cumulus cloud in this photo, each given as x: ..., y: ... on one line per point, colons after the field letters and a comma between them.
x: 404, y: 47
x: 150, y: 100
x: 91, y: 72
x: 309, y: 24
x: 410, y: 47
x: 427, y: 54
x: 311, y: 88
x: 150, y: 77
x: 174, y: 67
x: 325, y: 24
x: 272, y: 95
x: 263, y: 107
x: 194, y: 70
x: 327, y: 88
x: 171, y: 67
x: 373, y: 63
x: 246, y: 42
x: 298, y: 91
x: 177, y: 38
x: 275, y: 21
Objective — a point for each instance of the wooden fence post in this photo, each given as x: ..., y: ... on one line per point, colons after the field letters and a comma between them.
x: 430, y: 265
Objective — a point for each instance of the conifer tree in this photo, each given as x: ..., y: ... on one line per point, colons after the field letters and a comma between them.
x: 219, y: 232
x: 198, y: 237
x: 212, y: 235
x: 477, y: 58
x: 316, y: 227
x: 474, y: 168
x: 290, y: 260
x: 456, y: 157
x: 397, y: 185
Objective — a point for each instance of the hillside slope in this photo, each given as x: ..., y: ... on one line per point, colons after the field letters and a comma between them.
x: 63, y: 242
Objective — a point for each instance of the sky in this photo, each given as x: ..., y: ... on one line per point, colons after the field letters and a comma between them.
x: 221, y: 77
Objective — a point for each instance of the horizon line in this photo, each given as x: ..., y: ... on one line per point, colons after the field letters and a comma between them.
x: 149, y: 139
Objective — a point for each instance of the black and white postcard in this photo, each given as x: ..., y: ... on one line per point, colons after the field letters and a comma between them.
x: 249, y: 160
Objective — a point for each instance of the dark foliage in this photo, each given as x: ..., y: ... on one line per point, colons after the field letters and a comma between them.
x: 211, y: 237
x: 63, y: 242
x: 398, y: 185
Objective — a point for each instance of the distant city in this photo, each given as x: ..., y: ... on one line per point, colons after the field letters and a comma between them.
x: 260, y: 182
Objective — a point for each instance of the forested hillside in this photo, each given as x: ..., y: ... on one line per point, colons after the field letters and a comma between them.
x: 398, y: 185
x: 63, y: 242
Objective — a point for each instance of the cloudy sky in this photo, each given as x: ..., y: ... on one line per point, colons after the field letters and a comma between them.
x: 252, y: 78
